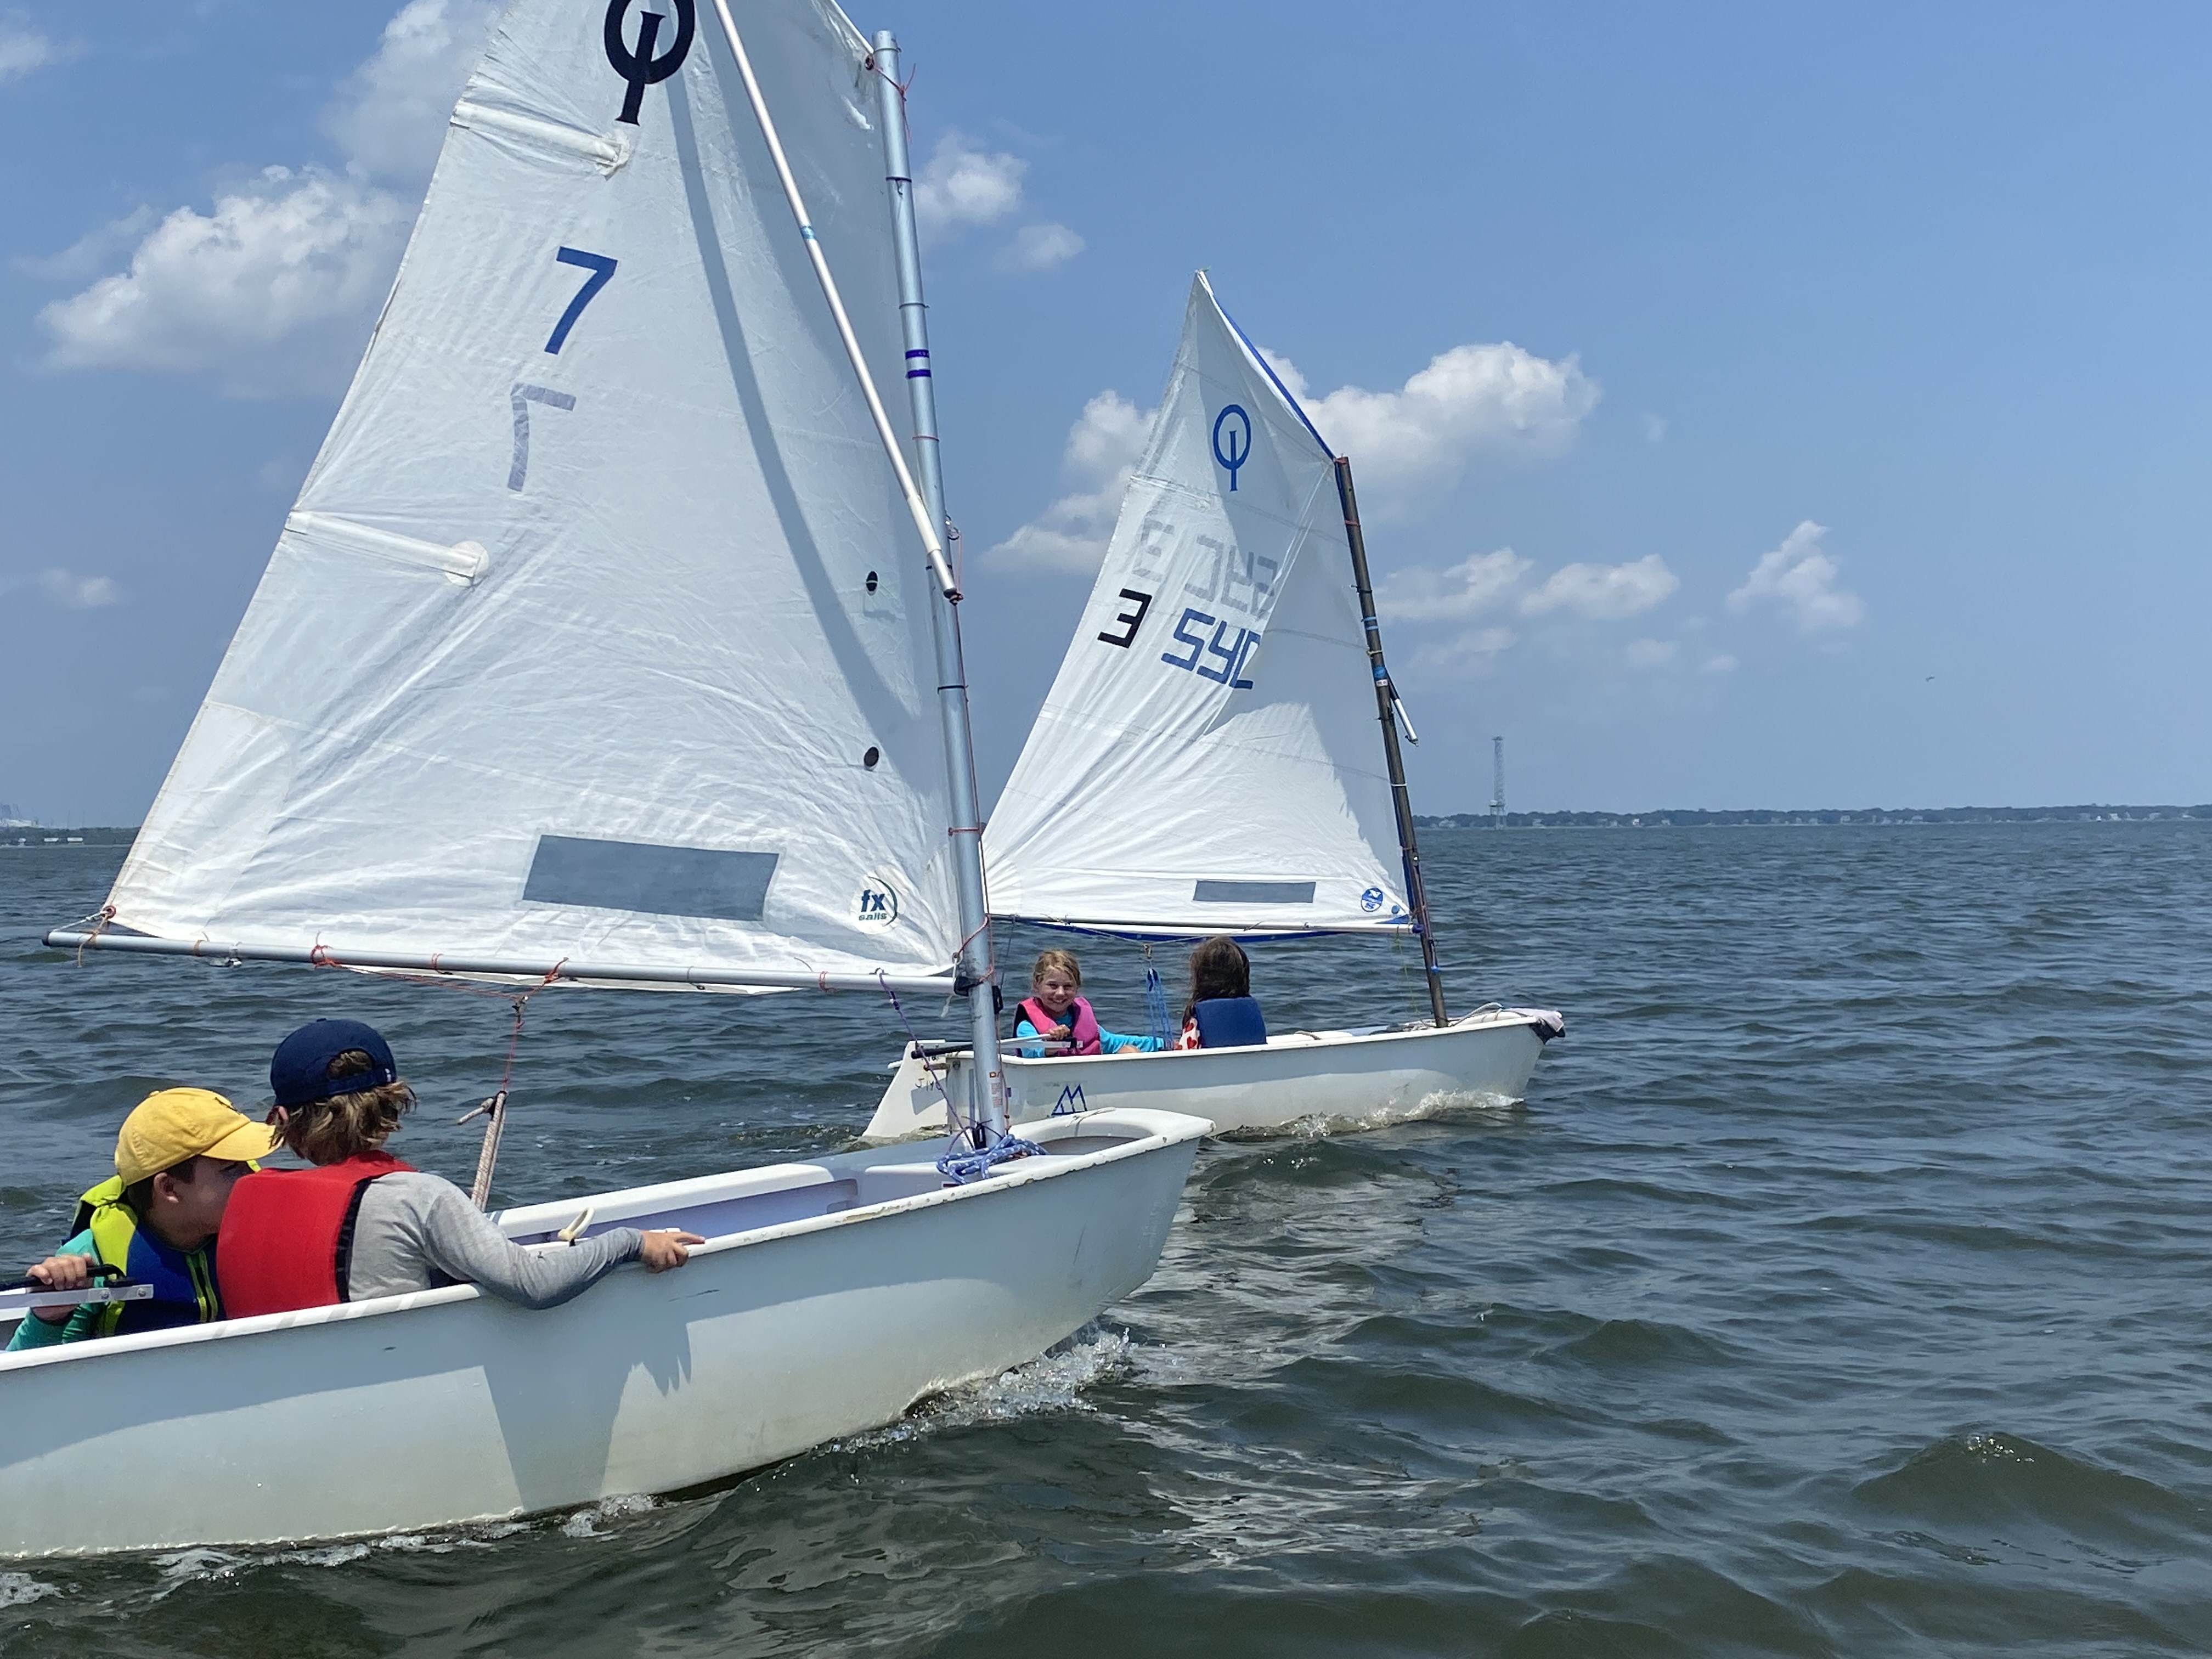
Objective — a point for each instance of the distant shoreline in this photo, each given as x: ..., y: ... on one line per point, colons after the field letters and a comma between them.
x: 28, y: 835
x: 1699, y: 818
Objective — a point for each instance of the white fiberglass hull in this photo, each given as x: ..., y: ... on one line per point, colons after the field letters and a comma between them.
x: 447, y: 1406
x: 1299, y: 1078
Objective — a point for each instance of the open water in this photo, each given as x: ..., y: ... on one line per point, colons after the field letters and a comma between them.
x: 1842, y: 1289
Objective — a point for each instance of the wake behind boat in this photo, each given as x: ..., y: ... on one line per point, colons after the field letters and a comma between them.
x: 1207, y: 762
x: 611, y: 641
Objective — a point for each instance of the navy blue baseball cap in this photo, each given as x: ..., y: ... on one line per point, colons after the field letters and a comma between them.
x: 299, y: 1069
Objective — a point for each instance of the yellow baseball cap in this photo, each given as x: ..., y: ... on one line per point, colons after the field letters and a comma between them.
x: 164, y: 1129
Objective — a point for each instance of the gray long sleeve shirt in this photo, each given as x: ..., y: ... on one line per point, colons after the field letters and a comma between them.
x: 416, y: 1231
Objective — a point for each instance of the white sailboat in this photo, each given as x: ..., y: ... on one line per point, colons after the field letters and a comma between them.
x: 601, y: 648
x: 1208, y: 762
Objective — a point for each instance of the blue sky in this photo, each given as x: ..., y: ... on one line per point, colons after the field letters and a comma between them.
x: 1753, y: 406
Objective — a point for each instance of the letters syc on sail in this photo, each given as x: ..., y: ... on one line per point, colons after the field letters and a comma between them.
x: 598, y: 631
x: 1207, y: 759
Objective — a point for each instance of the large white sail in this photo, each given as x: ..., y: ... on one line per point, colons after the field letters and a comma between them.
x: 598, y: 633
x: 1208, y: 759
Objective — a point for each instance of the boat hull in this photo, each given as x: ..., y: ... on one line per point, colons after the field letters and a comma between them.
x: 450, y: 1406
x: 1299, y: 1078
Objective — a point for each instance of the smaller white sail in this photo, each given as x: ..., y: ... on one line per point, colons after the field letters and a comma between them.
x: 1208, y: 759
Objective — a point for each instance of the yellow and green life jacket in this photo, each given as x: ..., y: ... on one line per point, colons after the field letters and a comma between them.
x: 184, y: 1290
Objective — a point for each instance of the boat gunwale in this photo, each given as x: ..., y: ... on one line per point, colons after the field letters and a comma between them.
x: 1282, y: 1042
x: 1183, y: 1127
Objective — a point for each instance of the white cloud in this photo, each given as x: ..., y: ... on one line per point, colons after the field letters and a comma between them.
x: 1475, y: 652
x: 1473, y: 401
x: 392, y: 112
x: 1104, y: 447
x: 97, y: 248
x: 68, y: 589
x: 1655, y: 429
x: 1604, y: 591
x: 269, y: 291
x: 1475, y: 584
x: 961, y: 185
x: 1651, y: 654
x: 22, y: 48
x: 273, y: 289
x: 1723, y: 664
x: 1040, y: 247
x: 1800, y: 578
x: 1470, y: 401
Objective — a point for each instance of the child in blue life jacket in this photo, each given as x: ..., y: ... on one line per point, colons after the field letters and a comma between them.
x: 1054, y: 1012
x: 177, y: 1157
x: 1221, y: 1014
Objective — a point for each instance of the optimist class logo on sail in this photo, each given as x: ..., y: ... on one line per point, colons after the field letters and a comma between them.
x: 1238, y: 449
x: 640, y: 68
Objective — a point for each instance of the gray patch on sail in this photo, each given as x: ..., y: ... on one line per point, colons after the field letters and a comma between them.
x: 1253, y: 893
x: 518, y: 473
x: 661, y: 881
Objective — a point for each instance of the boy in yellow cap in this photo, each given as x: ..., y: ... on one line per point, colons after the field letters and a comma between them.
x: 178, y: 1156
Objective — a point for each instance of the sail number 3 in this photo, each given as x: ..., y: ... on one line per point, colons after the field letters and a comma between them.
x: 1229, y: 654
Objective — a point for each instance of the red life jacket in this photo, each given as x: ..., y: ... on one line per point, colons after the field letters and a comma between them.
x: 287, y: 1234
x: 1078, y: 1019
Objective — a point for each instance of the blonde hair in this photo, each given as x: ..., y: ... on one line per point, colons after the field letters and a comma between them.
x: 1063, y: 960
x: 340, y: 1126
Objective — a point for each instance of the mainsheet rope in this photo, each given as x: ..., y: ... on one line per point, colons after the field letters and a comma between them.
x: 493, y: 1107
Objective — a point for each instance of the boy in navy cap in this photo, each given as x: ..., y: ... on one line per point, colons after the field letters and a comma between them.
x: 361, y: 1223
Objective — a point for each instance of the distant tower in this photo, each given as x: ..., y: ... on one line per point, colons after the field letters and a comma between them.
x: 1497, y: 781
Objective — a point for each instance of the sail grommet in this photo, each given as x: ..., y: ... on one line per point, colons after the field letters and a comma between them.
x: 870, y: 759
x: 872, y: 581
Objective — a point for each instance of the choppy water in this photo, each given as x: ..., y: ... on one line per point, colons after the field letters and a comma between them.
x: 1842, y: 1289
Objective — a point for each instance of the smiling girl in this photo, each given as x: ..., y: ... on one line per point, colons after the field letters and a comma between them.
x: 1056, y: 1013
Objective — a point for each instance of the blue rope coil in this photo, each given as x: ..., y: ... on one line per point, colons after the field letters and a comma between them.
x: 962, y: 1167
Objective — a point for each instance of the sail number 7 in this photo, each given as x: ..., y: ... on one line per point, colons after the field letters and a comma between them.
x: 601, y: 268
x: 1231, y: 656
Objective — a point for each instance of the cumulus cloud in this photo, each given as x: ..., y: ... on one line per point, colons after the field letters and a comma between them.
x: 1040, y: 247
x: 1476, y: 651
x: 23, y: 48
x: 1650, y: 653
x: 390, y: 114
x: 1723, y: 664
x: 1604, y: 592
x: 1800, y: 578
x: 1473, y: 402
x: 67, y: 589
x: 962, y: 185
x: 272, y: 288
x: 269, y: 291
x: 1104, y: 447
x: 1475, y: 584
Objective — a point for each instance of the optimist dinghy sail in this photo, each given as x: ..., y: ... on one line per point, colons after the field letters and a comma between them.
x: 1205, y: 762
x: 599, y: 635
x: 596, y: 648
